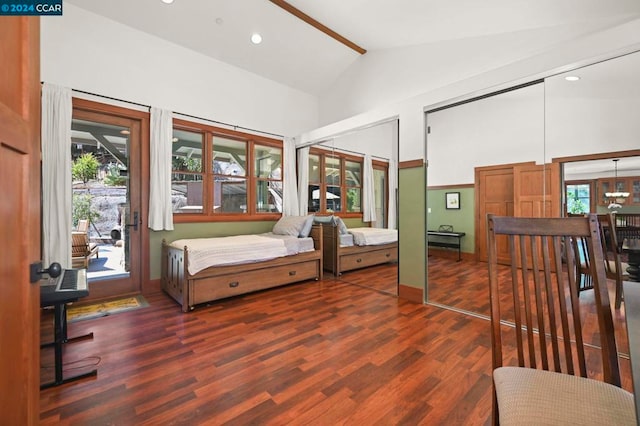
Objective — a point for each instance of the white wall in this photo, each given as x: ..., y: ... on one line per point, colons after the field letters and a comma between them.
x: 598, y: 113
x: 565, y: 56
x: 84, y: 51
x: 377, y: 141
x: 501, y: 129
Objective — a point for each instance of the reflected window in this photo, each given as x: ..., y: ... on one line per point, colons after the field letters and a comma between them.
x: 353, y: 183
x: 335, y: 183
x: 578, y: 198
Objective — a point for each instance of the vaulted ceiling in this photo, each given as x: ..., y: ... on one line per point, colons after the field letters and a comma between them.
x: 298, y: 55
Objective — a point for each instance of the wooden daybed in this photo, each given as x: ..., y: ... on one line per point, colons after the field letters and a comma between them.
x: 218, y: 282
x: 339, y: 259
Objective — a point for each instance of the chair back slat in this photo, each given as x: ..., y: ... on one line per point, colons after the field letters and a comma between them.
x: 543, y: 307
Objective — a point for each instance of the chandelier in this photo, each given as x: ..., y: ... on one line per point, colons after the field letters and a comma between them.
x: 616, y: 198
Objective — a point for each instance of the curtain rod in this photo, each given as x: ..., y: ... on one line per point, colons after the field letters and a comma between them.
x: 235, y: 127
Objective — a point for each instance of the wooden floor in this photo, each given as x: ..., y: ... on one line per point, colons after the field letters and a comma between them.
x: 464, y: 285
x: 314, y: 353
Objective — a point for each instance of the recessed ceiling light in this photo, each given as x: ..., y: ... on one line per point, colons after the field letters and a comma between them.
x: 219, y: 21
x: 256, y: 38
x: 167, y: 1
x: 125, y: 132
x: 174, y: 140
x: 572, y: 78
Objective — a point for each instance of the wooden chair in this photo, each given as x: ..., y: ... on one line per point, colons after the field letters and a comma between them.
x: 583, y: 276
x: 83, y: 226
x: 539, y: 356
x: 615, y: 269
x: 82, y: 249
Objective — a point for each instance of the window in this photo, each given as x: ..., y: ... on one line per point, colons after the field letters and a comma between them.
x: 578, y: 197
x: 335, y: 182
x: 188, y: 174
x: 221, y: 174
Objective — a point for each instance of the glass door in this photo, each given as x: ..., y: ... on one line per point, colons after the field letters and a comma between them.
x: 105, y: 154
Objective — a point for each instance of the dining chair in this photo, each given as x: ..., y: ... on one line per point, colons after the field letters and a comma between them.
x: 612, y: 251
x: 540, y: 373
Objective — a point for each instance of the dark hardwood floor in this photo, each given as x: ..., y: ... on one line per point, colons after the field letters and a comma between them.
x: 314, y: 353
x: 465, y: 285
x: 383, y: 278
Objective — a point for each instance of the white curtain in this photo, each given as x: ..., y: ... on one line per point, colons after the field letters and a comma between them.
x: 161, y: 134
x: 368, y: 191
x: 56, y: 175
x: 290, y: 205
x: 393, y: 190
x: 303, y: 179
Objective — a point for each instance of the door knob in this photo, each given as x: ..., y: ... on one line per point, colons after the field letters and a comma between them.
x: 35, y: 271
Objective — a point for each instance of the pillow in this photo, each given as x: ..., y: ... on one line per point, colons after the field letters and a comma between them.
x: 306, y: 229
x: 290, y: 225
x: 342, y: 228
x: 324, y: 220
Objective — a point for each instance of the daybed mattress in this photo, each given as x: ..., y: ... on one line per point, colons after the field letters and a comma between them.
x: 238, y: 249
x: 373, y: 236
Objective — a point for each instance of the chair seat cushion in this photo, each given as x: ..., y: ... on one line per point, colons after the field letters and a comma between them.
x: 527, y: 396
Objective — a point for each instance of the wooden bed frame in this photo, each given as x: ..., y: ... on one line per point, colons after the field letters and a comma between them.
x: 341, y: 259
x: 218, y: 282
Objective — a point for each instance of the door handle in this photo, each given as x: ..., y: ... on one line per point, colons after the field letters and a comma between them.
x: 134, y: 225
x: 35, y: 271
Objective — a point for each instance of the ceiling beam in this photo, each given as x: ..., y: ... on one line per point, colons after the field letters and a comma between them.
x: 309, y: 20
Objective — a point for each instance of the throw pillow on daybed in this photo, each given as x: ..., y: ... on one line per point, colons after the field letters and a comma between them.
x: 306, y: 229
x: 292, y: 225
x: 342, y: 228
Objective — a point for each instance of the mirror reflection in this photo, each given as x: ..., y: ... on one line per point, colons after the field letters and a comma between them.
x: 344, y: 174
x: 545, y: 149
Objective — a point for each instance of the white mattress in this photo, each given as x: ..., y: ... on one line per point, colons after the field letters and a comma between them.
x: 238, y: 249
x: 293, y: 245
x: 346, y: 240
x: 373, y: 236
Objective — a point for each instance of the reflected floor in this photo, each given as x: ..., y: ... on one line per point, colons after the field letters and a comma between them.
x: 464, y: 285
x: 382, y: 278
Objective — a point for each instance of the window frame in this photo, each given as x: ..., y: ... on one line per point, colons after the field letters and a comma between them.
x: 344, y: 157
x: 592, y: 194
x: 207, y: 214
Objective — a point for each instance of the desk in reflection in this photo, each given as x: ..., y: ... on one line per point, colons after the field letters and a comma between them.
x: 454, y: 240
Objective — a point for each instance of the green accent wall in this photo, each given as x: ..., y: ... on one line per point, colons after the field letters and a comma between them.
x: 462, y: 220
x: 411, y: 227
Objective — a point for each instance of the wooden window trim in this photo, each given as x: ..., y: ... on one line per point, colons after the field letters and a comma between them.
x: 322, y: 153
x: 251, y: 140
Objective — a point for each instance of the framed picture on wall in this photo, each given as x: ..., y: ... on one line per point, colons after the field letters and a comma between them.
x: 452, y: 200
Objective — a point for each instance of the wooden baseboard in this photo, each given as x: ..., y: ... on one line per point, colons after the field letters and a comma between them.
x: 151, y: 286
x: 412, y: 294
x: 450, y: 254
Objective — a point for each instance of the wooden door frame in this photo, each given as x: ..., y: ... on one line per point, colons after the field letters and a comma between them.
x: 20, y: 100
x: 143, y: 117
x: 586, y: 157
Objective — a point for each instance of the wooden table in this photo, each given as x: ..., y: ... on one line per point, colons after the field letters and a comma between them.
x: 632, y: 247
x: 632, y: 312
